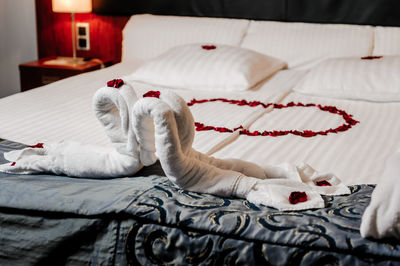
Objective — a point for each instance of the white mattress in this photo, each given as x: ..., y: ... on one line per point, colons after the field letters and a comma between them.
x: 356, y: 155
x: 63, y: 110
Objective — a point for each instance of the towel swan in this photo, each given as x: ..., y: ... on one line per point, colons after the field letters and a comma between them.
x: 112, y: 105
x: 170, y: 132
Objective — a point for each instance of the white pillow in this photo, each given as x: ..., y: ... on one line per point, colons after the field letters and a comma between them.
x: 387, y: 41
x: 372, y: 78
x: 208, y: 67
x: 306, y: 44
x: 147, y: 36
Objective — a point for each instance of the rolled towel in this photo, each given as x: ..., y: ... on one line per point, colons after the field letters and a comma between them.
x: 112, y: 107
x: 323, y: 183
x: 185, y: 122
x: 190, y: 170
x: 381, y: 219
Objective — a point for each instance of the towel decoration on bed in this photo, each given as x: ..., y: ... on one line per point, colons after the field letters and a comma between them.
x: 285, y: 187
x: 112, y: 105
x: 348, y: 118
x: 381, y: 219
x: 160, y: 127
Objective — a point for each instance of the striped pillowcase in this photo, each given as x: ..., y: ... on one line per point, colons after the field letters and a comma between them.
x: 371, y: 78
x: 208, y: 67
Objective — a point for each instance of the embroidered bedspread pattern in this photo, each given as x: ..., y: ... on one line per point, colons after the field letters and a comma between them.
x: 331, y: 233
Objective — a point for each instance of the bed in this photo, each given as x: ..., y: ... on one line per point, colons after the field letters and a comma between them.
x: 145, y: 219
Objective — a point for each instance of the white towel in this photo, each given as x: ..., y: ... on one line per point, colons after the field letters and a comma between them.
x: 323, y: 183
x: 191, y: 170
x: 112, y: 106
x: 381, y: 219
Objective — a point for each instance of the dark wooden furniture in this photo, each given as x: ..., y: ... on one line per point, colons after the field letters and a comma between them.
x: 43, y: 71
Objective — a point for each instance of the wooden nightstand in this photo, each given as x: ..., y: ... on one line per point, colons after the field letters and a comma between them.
x: 47, y: 70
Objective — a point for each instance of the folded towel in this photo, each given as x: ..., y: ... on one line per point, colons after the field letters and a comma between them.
x: 112, y: 106
x: 323, y: 183
x: 192, y: 170
x: 381, y: 219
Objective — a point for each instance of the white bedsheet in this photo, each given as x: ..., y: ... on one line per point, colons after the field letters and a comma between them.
x: 227, y: 115
x: 63, y: 110
x: 356, y: 156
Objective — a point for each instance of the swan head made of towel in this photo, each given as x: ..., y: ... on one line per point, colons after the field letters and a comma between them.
x: 144, y: 126
x: 113, y: 108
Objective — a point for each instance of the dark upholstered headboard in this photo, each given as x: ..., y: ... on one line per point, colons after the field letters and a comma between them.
x: 363, y: 12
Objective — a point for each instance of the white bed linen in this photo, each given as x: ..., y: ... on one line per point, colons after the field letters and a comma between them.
x: 63, y: 110
x: 386, y: 41
x: 356, y: 156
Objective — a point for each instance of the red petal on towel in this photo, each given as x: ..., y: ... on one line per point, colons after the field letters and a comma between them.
x: 371, y: 57
x: 38, y: 145
x: 118, y: 83
x: 297, y: 196
x: 208, y: 47
x: 323, y: 183
x: 13, y: 163
x: 115, y: 83
x: 111, y: 83
x: 155, y: 94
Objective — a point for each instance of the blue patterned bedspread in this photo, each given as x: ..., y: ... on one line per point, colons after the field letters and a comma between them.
x: 146, y: 220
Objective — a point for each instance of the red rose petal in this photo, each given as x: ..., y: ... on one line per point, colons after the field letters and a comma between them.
x: 208, y: 47
x: 110, y: 83
x: 155, y: 94
x: 38, y: 145
x: 371, y: 57
x: 323, y: 183
x: 297, y: 196
x: 115, y: 83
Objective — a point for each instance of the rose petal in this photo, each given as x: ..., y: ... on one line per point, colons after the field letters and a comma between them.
x: 115, y: 83
x: 297, y: 196
x: 208, y: 47
x: 371, y: 57
x: 38, y: 145
x: 323, y: 183
x: 155, y: 94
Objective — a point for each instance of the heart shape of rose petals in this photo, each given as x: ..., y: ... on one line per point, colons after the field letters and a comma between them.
x: 349, y: 121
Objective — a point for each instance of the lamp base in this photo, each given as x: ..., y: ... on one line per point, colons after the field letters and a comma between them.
x: 65, y: 61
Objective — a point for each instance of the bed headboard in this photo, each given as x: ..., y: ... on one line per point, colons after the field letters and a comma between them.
x: 363, y: 12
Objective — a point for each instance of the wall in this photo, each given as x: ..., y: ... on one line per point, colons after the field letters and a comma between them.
x: 18, y: 43
x: 54, y: 33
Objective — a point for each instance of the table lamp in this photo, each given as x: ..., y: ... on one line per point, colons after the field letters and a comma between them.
x: 72, y: 6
